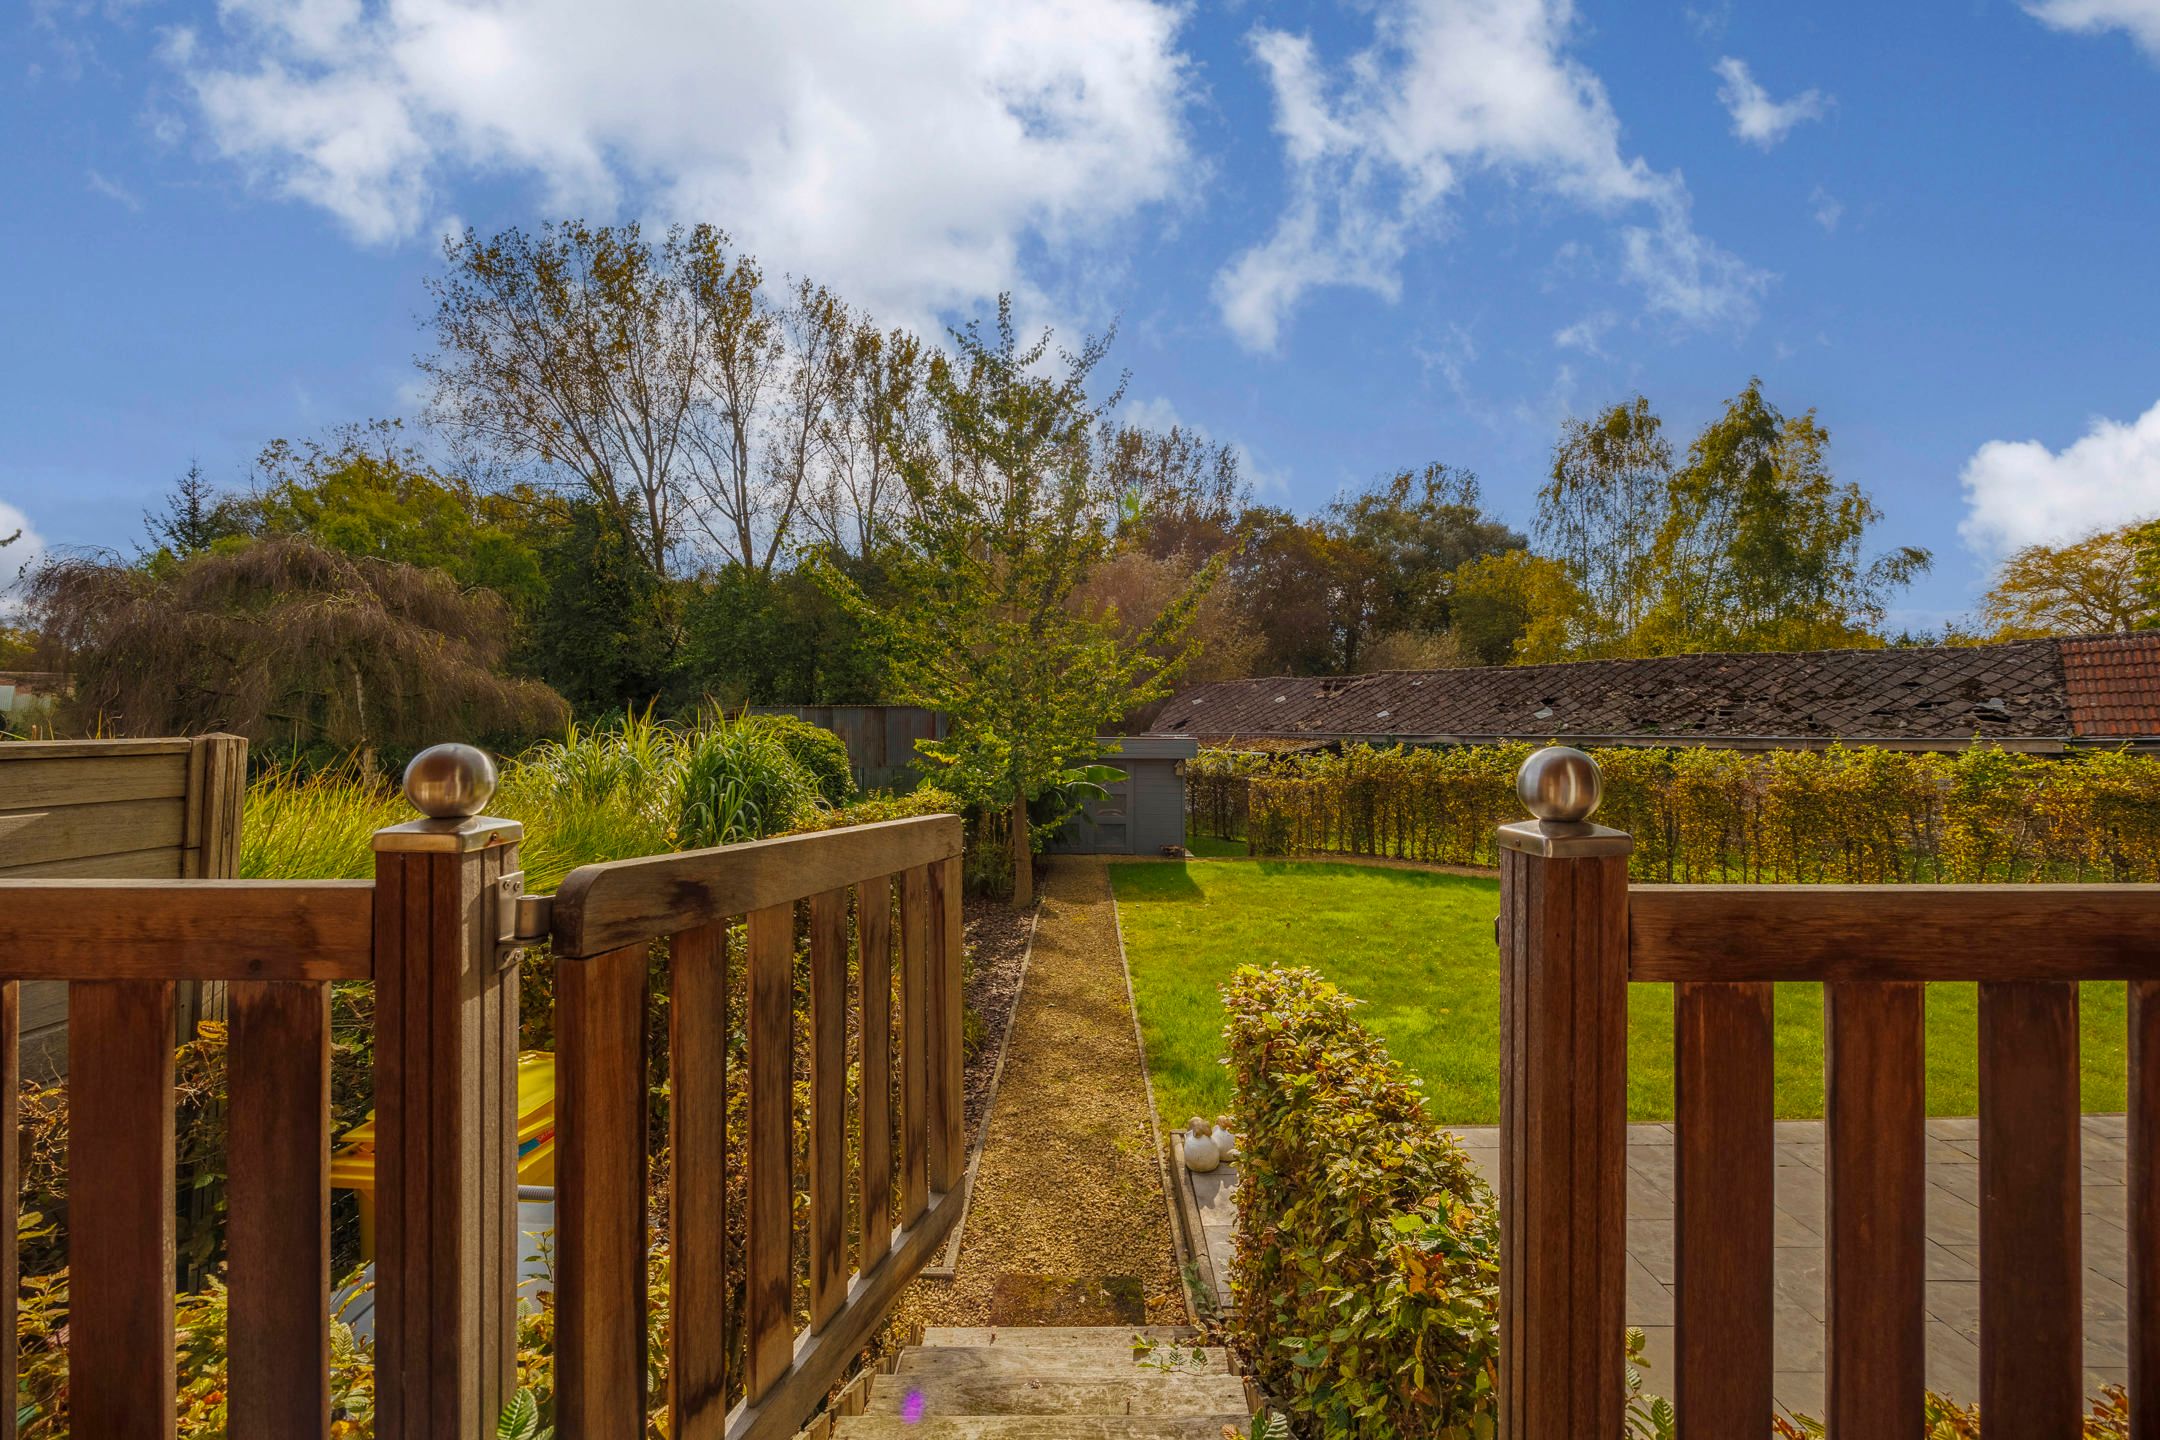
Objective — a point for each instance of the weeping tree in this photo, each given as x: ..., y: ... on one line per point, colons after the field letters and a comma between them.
x: 290, y: 644
x: 1010, y: 509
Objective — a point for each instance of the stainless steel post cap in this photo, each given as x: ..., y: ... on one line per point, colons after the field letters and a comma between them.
x: 450, y: 782
x: 1560, y: 784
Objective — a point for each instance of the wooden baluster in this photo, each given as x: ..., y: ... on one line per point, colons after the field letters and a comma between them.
x: 915, y: 960
x: 2144, y: 1182
x: 10, y: 1187
x: 948, y: 1137
x: 873, y: 932
x: 697, y: 1204
x: 2032, y: 1356
x: 1874, y: 1045
x: 1563, y: 1115
x: 1726, y: 1162
x: 120, y: 1209
x: 446, y: 1112
x: 278, y: 1197
x: 600, y: 1194
x: 768, y: 1289
x: 828, y: 1105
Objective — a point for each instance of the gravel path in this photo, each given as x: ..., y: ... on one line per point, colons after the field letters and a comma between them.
x: 1069, y: 1224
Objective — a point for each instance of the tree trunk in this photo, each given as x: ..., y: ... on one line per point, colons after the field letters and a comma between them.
x: 1023, y: 855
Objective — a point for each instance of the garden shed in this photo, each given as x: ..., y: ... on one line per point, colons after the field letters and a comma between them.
x: 1145, y: 812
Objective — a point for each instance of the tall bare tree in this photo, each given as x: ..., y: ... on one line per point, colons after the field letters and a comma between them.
x: 876, y: 410
x: 580, y: 347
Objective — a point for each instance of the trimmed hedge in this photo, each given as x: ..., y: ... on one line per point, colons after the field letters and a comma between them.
x: 1368, y: 1250
x: 1858, y: 814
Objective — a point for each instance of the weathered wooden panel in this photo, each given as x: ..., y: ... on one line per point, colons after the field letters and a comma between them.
x: 828, y: 1105
x: 768, y: 1288
x: 42, y: 784
x: 71, y: 832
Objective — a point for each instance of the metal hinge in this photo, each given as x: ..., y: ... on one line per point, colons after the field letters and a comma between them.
x: 520, y: 919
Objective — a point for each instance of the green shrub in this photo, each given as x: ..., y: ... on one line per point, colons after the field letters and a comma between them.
x: 1857, y: 815
x: 813, y: 747
x: 740, y: 783
x: 1368, y: 1251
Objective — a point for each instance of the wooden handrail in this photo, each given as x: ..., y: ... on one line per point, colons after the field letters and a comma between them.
x: 186, y: 929
x: 1739, y: 933
x: 604, y: 907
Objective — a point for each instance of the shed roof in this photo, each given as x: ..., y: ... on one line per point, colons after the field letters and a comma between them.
x: 2031, y: 694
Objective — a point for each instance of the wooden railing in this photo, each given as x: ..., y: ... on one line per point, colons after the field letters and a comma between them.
x: 438, y: 931
x: 1573, y: 937
x: 604, y: 920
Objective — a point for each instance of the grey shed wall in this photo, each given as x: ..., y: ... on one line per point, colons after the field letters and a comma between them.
x: 1145, y: 811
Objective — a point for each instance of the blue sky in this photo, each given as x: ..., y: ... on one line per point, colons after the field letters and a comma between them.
x: 1348, y: 238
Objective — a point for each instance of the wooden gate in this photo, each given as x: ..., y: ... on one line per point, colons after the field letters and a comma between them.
x: 437, y: 931
x: 1573, y: 937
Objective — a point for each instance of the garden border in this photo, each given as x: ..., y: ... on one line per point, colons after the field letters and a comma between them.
x: 948, y: 1264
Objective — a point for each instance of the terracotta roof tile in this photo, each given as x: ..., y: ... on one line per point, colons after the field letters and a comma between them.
x: 2113, y: 684
x: 1915, y: 694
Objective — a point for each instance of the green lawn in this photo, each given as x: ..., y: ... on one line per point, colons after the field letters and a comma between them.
x: 1417, y: 947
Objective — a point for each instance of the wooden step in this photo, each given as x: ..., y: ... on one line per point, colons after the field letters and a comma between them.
x: 1058, y: 1337
x: 1043, y: 1427
x: 1078, y: 1362
x: 980, y: 1392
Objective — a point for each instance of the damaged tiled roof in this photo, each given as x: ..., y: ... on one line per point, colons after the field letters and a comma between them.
x: 2034, y: 690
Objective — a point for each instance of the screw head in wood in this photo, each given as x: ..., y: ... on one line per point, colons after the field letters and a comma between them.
x: 450, y: 782
x: 1560, y: 784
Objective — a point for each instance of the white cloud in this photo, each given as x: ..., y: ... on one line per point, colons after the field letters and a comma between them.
x: 909, y: 153
x: 1449, y: 90
x: 1828, y: 209
x: 2019, y: 492
x: 112, y: 190
x: 1586, y: 334
x: 2140, y: 19
x: 1756, y: 118
x: 16, y: 559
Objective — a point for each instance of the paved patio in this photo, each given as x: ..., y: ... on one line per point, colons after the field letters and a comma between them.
x: 1953, y: 1253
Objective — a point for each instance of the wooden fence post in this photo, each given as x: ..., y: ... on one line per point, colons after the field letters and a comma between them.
x: 1563, y: 1107
x: 446, y: 1029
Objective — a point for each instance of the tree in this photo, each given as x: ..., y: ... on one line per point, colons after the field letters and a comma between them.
x: 1176, y: 492
x: 2087, y: 587
x: 1517, y: 608
x: 1604, y: 506
x: 581, y: 348
x: 876, y: 407
x: 367, y: 493
x: 607, y: 631
x: 1761, y: 548
x: 1006, y: 521
x: 1399, y: 540
x: 290, y: 644
x: 195, y: 517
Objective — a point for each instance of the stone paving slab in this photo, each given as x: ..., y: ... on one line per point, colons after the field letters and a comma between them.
x: 1953, y: 1253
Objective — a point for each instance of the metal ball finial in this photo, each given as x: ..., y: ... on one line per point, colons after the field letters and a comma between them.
x: 1560, y: 785
x: 450, y: 782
